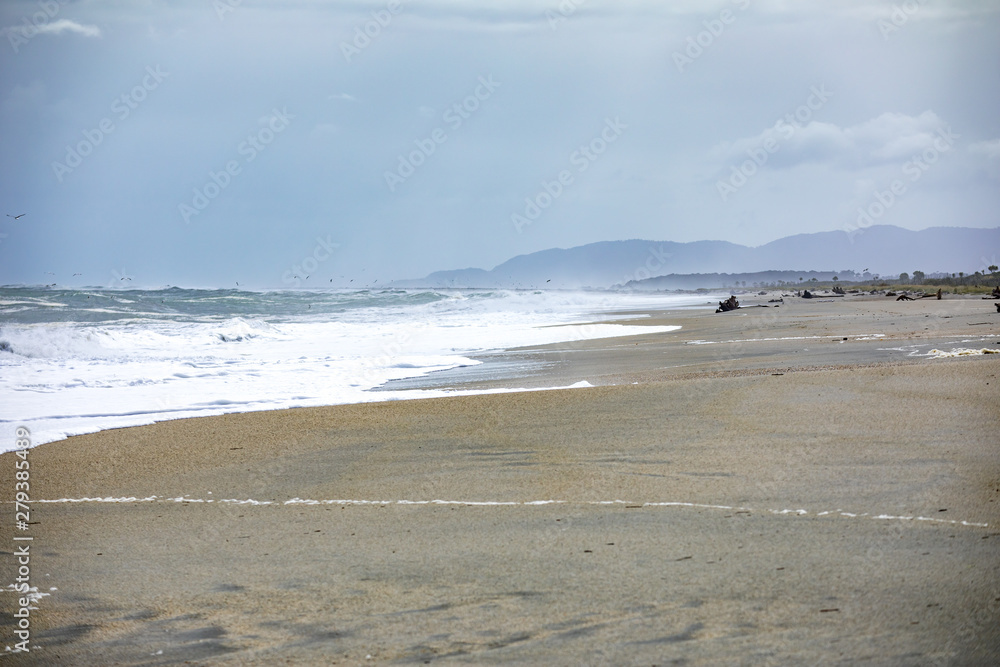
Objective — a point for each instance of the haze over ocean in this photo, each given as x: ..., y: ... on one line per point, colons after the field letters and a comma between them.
x: 76, y: 361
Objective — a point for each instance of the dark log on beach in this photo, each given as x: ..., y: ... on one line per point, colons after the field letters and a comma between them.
x: 903, y: 297
x: 998, y: 306
x: 729, y: 304
x: 890, y: 294
x: 807, y: 295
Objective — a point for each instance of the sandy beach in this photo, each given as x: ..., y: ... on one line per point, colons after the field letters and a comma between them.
x: 805, y: 484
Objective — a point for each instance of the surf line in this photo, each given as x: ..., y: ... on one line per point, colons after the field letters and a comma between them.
x: 510, y: 503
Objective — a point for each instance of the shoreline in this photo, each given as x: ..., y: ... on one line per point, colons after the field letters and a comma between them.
x: 757, y: 501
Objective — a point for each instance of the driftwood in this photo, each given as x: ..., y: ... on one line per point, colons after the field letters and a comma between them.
x: 806, y: 294
x: 890, y: 294
x: 729, y: 304
x: 837, y: 289
x: 998, y: 306
x: 904, y: 297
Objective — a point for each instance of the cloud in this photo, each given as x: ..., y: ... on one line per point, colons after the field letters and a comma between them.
x: 991, y: 148
x: 56, y: 28
x: 342, y: 96
x: 888, y: 138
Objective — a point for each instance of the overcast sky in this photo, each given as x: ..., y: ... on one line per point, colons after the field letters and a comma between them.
x: 204, y: 142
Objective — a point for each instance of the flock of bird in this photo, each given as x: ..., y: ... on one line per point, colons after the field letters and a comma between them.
x: 21, y: 215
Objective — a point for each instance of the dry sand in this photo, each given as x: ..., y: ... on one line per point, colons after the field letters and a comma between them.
x: 808, y: 500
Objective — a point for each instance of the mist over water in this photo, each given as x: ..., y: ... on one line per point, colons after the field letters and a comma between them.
x: 77, y: 361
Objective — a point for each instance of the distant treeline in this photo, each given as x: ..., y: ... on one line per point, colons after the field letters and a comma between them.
x: 693, y: 281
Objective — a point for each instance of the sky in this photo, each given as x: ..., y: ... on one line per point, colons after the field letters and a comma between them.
x: 201, y: 143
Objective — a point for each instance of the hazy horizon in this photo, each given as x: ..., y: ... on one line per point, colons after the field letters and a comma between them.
x: 209, y: 143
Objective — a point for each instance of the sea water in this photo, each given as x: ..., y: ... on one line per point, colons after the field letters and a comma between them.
x: 84, y: 360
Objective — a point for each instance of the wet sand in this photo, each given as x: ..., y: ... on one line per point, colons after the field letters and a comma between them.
x: 788, y: 498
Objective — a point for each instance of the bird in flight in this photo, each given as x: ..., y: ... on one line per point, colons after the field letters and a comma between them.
x: 16, y: 217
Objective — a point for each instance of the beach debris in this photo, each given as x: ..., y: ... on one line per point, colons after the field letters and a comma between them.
x: 729, y: 304
x: 995, y: 294
x: 5, y: 346
x: 806, y: 294
x: 837, y: 289
x: 890, y: 294
x: 781, y: 300
x: 905, y: 297
x: 234, y: 339
x: 998, y: 307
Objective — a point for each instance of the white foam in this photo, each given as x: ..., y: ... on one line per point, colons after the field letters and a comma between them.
x: 960, y: 352
x: 72, y: 378
x: 521, y: 503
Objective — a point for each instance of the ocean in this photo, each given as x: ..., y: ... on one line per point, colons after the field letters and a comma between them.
x: 76, y: 361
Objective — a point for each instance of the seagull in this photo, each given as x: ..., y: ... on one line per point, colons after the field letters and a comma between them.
x: 77, y: 274
x: 16, y: 217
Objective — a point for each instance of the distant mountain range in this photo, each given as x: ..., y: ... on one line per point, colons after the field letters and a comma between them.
x: 882, y: 249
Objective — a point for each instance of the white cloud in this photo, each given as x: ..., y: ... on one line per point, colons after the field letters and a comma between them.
x: 888, y: 138
x: 56, y: 28
x: 991, y: 148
